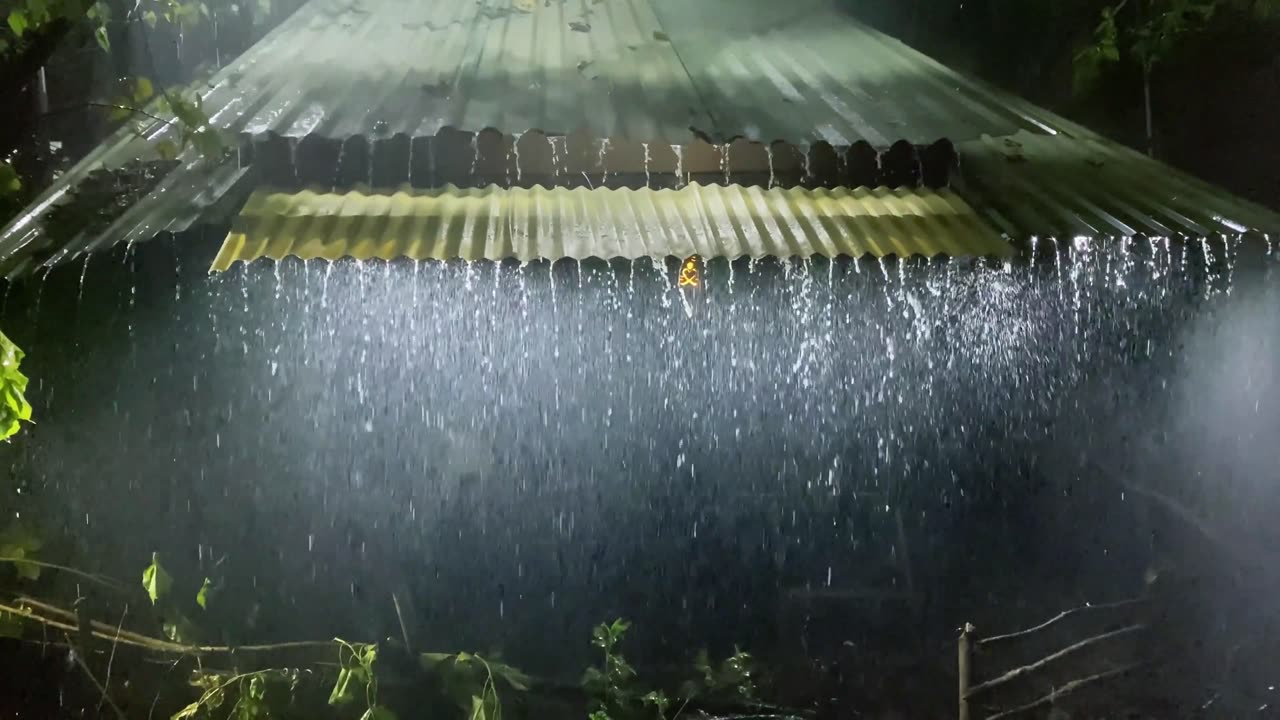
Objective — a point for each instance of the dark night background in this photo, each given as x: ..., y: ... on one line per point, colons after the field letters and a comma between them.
x: 522, y: 452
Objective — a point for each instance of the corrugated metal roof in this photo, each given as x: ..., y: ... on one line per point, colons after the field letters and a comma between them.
x: 644, y: 70
x: 526, y: 224
x: 1035, y: 185
x: 636, y: 76
x: 805, y: 70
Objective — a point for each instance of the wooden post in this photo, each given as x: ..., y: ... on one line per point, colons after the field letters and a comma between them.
x: 965, y: 654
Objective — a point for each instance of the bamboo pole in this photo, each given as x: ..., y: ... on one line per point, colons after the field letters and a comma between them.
x: 964, y: 656
x: 1049, y: 659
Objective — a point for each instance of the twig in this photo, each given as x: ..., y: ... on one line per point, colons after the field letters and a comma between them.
x: 107, y: 106
x: 99, y: 626
x: 80, y: 661
x: 111, y: 658
x: 1065, y: 689
x: 1042, y: 662
x: 682, y: 707
x: 99, y: 579
x: 1059, y: 617
x: 404, y: 632
x: 156, y: 699
x: 129, y: 638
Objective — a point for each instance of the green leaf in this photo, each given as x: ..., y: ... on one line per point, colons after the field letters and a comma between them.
x: 659, y: 702
x: 13, y: 403
x: 10, y: 625
x: 18, y: 555
x: 18, y: 22
x: 477, y: 708
x: 9, y: 181
x: 19, y: 544
x: 155, y: 580
x: 150, y: 18
x: 104, y: 40
x: 429, y: 661
x: 368, y: 655
x: 202, y: 595
x: 37, y: 12
x: 257, y: 689
x: 344, y: 690
x: 143, y: 90
x: 517, y: 679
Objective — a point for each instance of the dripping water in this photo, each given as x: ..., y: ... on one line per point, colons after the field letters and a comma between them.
x: 645, y: 146
x: 679, y: 151
x: 515, y: 152
x: 337, y: 170
x: 84, y: 270
x: 555, y: 155
x: 600, y: 161
x: 408, y: 173
x: 475, y: 153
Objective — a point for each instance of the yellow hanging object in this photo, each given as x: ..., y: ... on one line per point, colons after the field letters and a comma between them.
x: 689, y: 275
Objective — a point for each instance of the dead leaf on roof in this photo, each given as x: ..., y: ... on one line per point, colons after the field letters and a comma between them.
x: 661, y: 36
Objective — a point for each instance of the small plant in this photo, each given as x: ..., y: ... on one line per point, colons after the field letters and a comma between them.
x: 609, y: 685
x: 246, y: 694
x: 193, y: 125
x: 357, y: 679
x: 732, y: 679
x: 472, y: 681
x: 615, y: 695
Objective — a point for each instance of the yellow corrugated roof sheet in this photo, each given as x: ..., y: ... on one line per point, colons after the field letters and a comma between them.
x: 537, y: 223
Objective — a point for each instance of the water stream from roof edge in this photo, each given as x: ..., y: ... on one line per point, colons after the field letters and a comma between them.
x: 524, y: 450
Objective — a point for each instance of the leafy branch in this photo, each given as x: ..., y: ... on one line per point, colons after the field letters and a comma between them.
x: 1146, y: 36
x: 471, y: 681
x: 615, y: 694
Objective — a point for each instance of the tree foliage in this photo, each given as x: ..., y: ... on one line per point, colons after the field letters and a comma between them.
x: 1147, y: 32
x: 14, y: 410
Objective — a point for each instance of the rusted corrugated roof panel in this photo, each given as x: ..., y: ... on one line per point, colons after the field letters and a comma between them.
x: 805, y: 70
x: 538, y: 223
x: 641, y: 70
x: 382, y: 67
x: 1035, y: 185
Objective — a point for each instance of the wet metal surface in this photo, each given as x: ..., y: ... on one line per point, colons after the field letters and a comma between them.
x: 637, y: 93
x: 528, y: 224
x: 1036, y: 185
